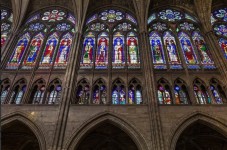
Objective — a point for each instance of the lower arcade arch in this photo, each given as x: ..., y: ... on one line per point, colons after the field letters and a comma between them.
x: 200, y: 132
x: 19, y: 133
x: 106, y: 132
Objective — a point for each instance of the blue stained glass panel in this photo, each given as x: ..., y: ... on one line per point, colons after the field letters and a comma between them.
x: 18, y: 52
x: 157, y: 50
x: 202, y: 48
x: 130, y: 18
x: 131, y: 96
x: 63, y: 51
x: 223, y: 45
x: 172, y: 52
x: 133, y: 52
x: 170, y: 15
x: 221, y: 29
x: 118, y: 57
x: 36, y: 27
x: 48, y: 53
x: 221, y: 14
x: 101, y: 60
x: 188, y: 50
x: 34, y: 49
x: 87, y: 52
x: 33, y: 18
x: 151, y: 18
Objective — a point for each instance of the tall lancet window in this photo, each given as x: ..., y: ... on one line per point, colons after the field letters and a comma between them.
x: 110, y: 27
x: 45, y: 40
x: 4, y: 90
x: 176, y: 37
x: 219, y: 23
x: 6, y: 24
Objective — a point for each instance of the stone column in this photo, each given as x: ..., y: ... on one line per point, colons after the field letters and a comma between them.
x: 70, y: 75
x: 142, y: 8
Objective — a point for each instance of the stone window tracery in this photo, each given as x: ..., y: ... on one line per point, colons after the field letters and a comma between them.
x: 54, y: 92
x: 4, y: 90
x: 46, y: 34
x: 6, y: 24
x: 201, y: 93
x: 18, y: 92
x: 110, y: 27
x: 174, y: 33
x: 219, y: 23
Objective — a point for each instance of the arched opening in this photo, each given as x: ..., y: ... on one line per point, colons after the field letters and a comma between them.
x: 199, y: 136
x: 17, y: 135
x: 106, y: 136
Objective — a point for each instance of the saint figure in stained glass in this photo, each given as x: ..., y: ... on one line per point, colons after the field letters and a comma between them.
x: 118, y: 58
x: 63, y: 52
x: 102, y: 53
x: 156, y: 48
x: 202, y: 48
x: 133, y: 50
x: 171, y: 48
x: 34, y: 49
x: 223, y: 44
x: 187, y: 48
x: 51, y: 45
x: 88, y: 49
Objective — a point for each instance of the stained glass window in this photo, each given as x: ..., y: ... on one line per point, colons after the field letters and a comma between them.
x: 99, y: 93
x: 157, y: 51
x: 6, y: 23
x: 164, y: 94
x: 19, y: 52
x: 18, y: 92
x: 172, y: 51
x: 38, y: 90
x: 203, y: 50
x: 180, y: 92
x: 97, y: 38
x: 53, y: 26
x: 223, y: 45
x: 133, y: 51
x: 172, y: 27
x: 48, y: 53
x: 118, y: 93
x: 188, y: 50
x: 219, y: 23
x: 118, y: 56
x: 4, y: 89
x: 135, y: 93
x: 63, y: 51
x: 101, y: 60
x: 54, y: 93
x: 170, y: 15
x: 88, y: 51
x: 217, y: 91
x: 200, y: 92
x: 83, y: 92
x: 30, y: 59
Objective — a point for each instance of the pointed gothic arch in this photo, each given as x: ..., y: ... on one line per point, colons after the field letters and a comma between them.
x: 210, y: 121
x: 113, y: 119
x: 22, y: 118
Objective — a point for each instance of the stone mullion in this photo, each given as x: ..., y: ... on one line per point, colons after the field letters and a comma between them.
x: 70, y: 82
x: 126, y: 68
x: 156, y: 134
x: 109, y: 90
